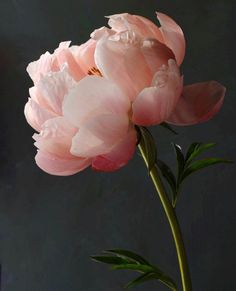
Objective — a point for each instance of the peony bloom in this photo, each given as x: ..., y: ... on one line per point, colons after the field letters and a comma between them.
x: 143, y: 60
x: 86, y: 99
x: 82, y: 129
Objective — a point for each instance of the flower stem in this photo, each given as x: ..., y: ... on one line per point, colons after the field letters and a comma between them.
x: 174, y: 225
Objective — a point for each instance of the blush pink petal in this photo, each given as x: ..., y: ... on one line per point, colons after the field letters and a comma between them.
x: 121, y: 60
x: 93, y: 96
x: 65, y: 56
x: 53, y: 87
x: 154, y: 104
x: 140, y: 25
x: 37, y: 115
x: 55, y: 165
x: 55, y: 137
x: 173, y: 36
x: 45, y: 64
x: 198, y: 103
x: 84, y: 55
x: 156, y: 54
x: 119, y: 155
x: 99, y: 134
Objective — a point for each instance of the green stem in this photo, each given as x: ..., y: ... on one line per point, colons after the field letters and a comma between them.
x: 174, y: 225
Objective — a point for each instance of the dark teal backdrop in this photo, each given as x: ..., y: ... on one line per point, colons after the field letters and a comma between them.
x: 50, y: 225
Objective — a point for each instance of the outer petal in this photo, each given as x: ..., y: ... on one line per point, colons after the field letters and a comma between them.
x: 154, y: 104
x: 198, y: 103
x: 56, y: 137
x: 98, y: 135
x: 53, y: 87
x: 121, y: 60
x: 119, y: 155
x: 93, y: 96
x: 140, y: 25
x: 37, y: 115
x: 55, y: 165
x: 45, y: 64
x: 173, y: 36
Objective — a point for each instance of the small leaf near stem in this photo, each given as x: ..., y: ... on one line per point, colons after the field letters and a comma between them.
x: 128, y: 260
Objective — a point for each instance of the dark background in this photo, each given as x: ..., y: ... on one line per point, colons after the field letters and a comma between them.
x: 50, y: 225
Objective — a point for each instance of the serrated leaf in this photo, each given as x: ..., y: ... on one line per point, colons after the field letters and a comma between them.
x: 169, y: 176
x: 167, y: 126
x: 196, y: 149
x: 147, y: 142
x: 198, y: 165
x: 129, y: 255
x: 134, y: 267
x: 111, y: 260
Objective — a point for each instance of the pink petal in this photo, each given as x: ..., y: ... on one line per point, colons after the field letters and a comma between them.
x: 93, y: 96
x: 65, y: 56
x: 98, y: 135
x: 37, y: 115
x: 154, y: 104
x: 53, y: 87
x: 130, y: 71
x: 173, y: 36
x: 138, y: 24
x: 119, y: 155
x: 56, y: 137
x: 45, y: 64
x: 55, y: 165
x: 84, y: 55
x: 198, y: 103
x: 156, y: 54
x: 101, y: 32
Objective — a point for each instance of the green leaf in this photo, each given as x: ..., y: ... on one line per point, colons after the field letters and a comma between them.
x: 128, y: 260
x: 147, y: 142
x: 167, y: 126
x: 129, y: 255
x: 134, y: 267
x: 169, y: 176
x: 110, y: 260
x: 141, y: 279
x: 153, y: 276
x: 180, y: 160
x: 196, y: 149
x: 198, y: 165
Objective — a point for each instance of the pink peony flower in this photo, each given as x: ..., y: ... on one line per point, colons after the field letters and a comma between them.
x: 79, y: 129
x: 143, y: 60
x: 86, y: 99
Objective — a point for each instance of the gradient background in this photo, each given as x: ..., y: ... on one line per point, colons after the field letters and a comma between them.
x: 50, y: 225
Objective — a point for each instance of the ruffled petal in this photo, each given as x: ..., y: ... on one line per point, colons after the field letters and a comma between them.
x: 173, y: 36
x: 198, y: 103
x: 93, y: 96
x: 154, y: 104
x: 99, y: 134
x: 39, y: 68
x: 119, y: 155
x: 56, y: 137
x: 55, y: 165
x: 53, y: 87
x: 37, y: 115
